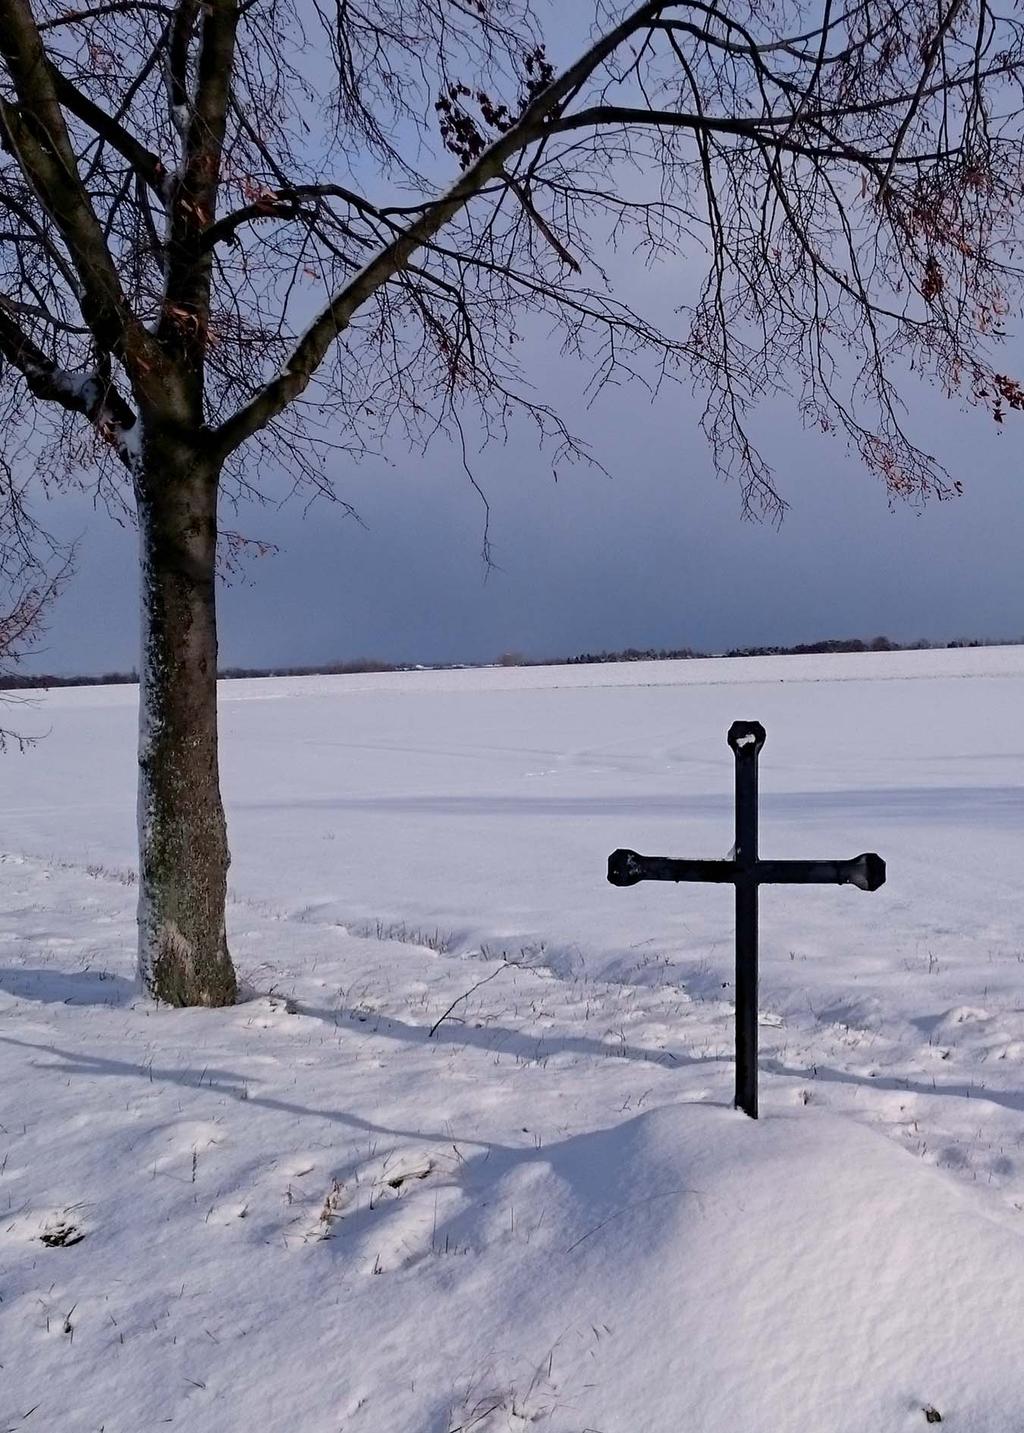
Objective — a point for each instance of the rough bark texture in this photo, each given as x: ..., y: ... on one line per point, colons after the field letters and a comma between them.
x: 183, y: 954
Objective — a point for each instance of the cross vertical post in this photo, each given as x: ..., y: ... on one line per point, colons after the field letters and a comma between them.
x: 746, y: 739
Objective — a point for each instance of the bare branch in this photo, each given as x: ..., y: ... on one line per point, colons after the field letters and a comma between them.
x: 36, y: 134
x: 145, y: 164
x: 312, y: 348
x: 93, y: 394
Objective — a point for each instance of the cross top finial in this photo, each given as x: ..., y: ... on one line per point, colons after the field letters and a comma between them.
x: 745, y: 736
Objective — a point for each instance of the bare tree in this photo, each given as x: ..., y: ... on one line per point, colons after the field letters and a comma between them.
x: 228, y: 236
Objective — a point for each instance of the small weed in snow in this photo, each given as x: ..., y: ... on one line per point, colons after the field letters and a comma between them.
x: 61, y: 1235
x: 435, y: 940
x: 334, y: 1201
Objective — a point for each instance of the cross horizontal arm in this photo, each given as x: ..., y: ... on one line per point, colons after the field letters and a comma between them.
x: 626, y: 868
x: 866, y: 872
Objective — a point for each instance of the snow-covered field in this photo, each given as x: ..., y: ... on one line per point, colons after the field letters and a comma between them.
x: 307, y: 1215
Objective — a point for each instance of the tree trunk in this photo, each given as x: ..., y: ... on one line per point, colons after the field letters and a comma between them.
x: 183, y: 852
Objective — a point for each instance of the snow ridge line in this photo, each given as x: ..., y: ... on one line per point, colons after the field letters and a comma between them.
x: 637, y: 1023
x: 537, y: 955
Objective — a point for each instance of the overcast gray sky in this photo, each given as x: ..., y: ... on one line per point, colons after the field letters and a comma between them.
x: 657, y: 554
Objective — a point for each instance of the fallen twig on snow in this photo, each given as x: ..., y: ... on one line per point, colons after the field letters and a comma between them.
x: 505, y: 965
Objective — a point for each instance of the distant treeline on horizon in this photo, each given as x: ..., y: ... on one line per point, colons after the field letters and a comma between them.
x: 800, y: 649
x: 24, y: 681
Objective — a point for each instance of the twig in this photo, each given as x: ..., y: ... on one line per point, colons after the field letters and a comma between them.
x: 505, y: 965
x: 479, y: 1417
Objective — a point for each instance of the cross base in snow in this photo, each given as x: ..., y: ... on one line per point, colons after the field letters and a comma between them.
x: 746, y: 872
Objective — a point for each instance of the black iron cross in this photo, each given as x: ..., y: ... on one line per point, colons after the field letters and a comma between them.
x: 746, y: 872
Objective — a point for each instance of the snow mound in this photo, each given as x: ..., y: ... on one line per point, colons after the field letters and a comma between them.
x: 797, y: 1274
x: 686, y: 1269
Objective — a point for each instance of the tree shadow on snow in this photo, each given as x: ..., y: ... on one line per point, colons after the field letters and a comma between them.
x: 60, y: 987
x: 206, y: 1079
x: 824, y: 1074
x: 220, y: 1082
x: 529, y: 1048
